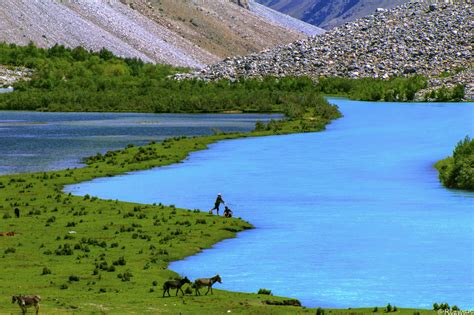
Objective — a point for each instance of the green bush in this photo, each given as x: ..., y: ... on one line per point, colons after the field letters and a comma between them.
x: 10, y: 250
x: 458, y: 171
x: 46, y: 271
x: 369, y: 89
x: 265, y: 292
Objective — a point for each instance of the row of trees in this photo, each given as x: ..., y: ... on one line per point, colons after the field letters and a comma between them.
x: 458, y: 171
x: 399, y: 89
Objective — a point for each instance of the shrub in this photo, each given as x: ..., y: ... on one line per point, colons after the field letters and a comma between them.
x: 10, y: 250
x: 319, y: 311
x: 375, y: 310
x: 73, y: 278
x: 265, y: 291
x: 63, y: 286
x: 388, y: 308
x: 46, y: 271
x: 120, y: 262
x: 126, y: 276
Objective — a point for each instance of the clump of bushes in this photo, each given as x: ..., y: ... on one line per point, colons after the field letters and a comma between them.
x: 120, y: 262
x: 458, y: 171
x: 73, y: 278
x: 389, y: 308
x: 126, y: 276
x: 265, y: 292
x: 9, y: 250
x: 46, y: 271
x: 444, y: 307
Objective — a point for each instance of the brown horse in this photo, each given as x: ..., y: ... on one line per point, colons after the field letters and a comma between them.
x: 174, y: 284
x: 25, y: 301
x: 206, y: 282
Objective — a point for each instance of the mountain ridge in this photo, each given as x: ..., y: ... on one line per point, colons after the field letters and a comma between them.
x: 180, y: 33
x: 410, y: 39
x: 329, y: 14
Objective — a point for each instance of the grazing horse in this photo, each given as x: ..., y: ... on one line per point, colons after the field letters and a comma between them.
x: 206, y: 282
x: 174, y: 284
x: 25, y: 301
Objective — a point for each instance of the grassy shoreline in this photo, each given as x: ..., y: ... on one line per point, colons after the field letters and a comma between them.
x: 61, y: 238
x: 148, y: 237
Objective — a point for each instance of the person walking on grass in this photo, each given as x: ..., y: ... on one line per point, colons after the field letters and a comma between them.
x: 218, y: 202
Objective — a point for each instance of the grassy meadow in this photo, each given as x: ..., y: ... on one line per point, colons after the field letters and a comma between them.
x: 86, y: 255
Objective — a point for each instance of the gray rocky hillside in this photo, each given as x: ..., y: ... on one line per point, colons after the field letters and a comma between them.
x: 414, y: 38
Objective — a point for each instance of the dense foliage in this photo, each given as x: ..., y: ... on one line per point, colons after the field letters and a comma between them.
x: 458, y: 171
x: 78, y: 80
x: 368, y: 89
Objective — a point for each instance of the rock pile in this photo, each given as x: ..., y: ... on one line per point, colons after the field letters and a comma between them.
x: 410, y: 39
x: 8, y: 76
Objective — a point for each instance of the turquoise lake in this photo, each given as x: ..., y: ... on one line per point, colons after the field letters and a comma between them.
x: 350, y: 217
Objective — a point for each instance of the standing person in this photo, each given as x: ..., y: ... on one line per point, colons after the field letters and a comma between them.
x: 219, y: 200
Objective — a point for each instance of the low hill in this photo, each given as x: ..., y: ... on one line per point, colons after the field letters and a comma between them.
x: 410, y: 39
x: 180, y: 33
x: 328, y: 14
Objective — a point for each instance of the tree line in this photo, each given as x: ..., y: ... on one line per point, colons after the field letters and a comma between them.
x: 75, y: 79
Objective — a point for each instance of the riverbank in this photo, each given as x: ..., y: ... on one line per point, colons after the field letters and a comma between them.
x: 114, y: 255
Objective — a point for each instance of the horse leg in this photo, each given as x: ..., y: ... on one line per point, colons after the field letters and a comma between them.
x: 177, y: 289
x: 37, y: 308
x: 197, y: 291
x: 181, y: 291
x: 208, y: 288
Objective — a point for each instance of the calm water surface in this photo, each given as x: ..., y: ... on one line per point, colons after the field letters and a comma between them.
x: 34, y: 141
x: 353, y: 216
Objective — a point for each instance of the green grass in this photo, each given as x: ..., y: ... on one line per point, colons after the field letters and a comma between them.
x: 148, y: 237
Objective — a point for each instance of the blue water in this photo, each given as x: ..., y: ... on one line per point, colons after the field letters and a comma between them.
x: 34, y: 141
x: 350, y: 217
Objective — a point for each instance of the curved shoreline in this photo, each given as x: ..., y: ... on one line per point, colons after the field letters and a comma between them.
x: 34, y: 191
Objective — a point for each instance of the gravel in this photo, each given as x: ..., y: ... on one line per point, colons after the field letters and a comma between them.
x: 407, y: 40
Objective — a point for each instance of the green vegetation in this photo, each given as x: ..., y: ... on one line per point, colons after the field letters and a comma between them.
x: 368, y: 89
x: 444, y: 94
x: 87, y: 255
x: 458, y: 171
x: 78, y: 80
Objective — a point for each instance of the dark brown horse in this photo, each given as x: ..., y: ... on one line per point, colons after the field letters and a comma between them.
x: 25, y: 301
x: 206, y: 282
x: 174, y: 284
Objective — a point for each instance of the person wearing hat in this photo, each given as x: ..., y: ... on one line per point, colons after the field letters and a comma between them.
x: 219, y: 200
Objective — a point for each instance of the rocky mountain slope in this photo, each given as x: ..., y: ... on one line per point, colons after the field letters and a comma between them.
x: 328, y: 14
x: 410, y: 39
x: 283, y: 19
x: 181, y: 33
x: 219, y: 26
